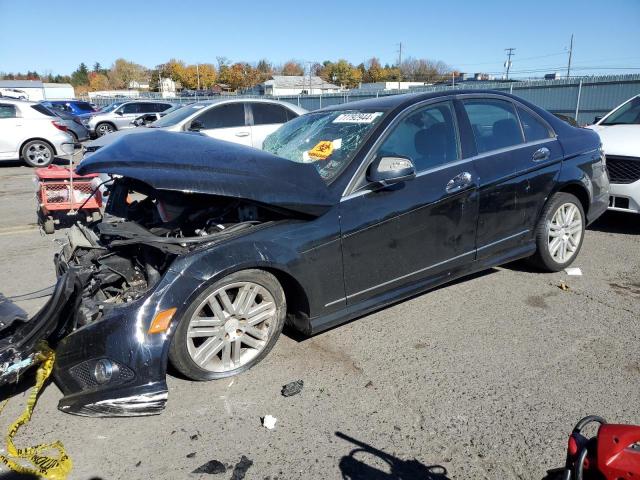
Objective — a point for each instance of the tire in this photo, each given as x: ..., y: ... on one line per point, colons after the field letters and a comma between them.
x: 37, y: 153
x: 48, y: 226
x: 104, y: 128
x: 208, y: 351
x: 559, y: 231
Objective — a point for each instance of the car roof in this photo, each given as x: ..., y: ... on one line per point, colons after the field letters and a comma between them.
x: 216, y: 101
x: 389, y: 102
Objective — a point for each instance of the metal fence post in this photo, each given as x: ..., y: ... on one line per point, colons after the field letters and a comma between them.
x: 511, y: 89
x: 320, y: 100
x: 578, y: 100
x: 298, y: 100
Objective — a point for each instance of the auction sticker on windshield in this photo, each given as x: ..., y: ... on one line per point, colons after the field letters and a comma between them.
x: 357, y: 117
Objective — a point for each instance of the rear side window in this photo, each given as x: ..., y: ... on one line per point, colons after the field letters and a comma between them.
x: 132, y: 108
x: 494, y: 123
x: 265, y: 114
x: 223, y: 116
x: 43, y: 110
x: 7, y: 111
x: 84, y: 106
x: 427, y: 136
x: 533, y: 127
x: 161, y: 107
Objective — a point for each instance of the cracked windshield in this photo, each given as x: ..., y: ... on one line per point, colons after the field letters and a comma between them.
x: 327, y: 139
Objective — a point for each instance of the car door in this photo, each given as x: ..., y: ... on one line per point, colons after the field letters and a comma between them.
x: 499, y: 142
x: 418, y: 230
x: 126, y: 114
x: 10, y: 127
x: 266, y: 118
x: 226, y: 121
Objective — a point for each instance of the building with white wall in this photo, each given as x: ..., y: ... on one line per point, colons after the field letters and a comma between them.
x: 297, y: 85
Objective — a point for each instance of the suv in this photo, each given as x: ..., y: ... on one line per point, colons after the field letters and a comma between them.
x: 30, y: 131
x: 247, y: 121
x: 619, y: 131
x: 74, y: 107
x: 122, y: 117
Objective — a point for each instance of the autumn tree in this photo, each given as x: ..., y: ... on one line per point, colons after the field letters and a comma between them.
x: 238, y: 76
x: 374, y: 71
x: 341, y: 73
x: 423, y: 70
x: 123, y: 72
x: 98, y: 81
x: 292, y: 68
x: 264, y: 70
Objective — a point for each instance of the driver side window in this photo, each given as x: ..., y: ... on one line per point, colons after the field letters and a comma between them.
x: 427, y: 136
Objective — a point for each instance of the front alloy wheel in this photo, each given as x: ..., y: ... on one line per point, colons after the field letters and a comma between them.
x: 230, y: 327
x: 104, y: 129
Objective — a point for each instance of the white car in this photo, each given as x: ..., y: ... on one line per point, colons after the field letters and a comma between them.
x: 31, y: 132
x: 238, y: 120
x: 14, y: 93
x: 619, y: 131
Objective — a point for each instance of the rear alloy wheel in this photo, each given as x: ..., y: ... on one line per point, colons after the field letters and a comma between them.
x: 37, y: 153
x: 559, y: 233
x: 104, y: 129
x: 230, y: 327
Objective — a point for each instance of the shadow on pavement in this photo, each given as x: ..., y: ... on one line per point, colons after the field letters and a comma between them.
x: 617, y: 222
x: 359, y: 465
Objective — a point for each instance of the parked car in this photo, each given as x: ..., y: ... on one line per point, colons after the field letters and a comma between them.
x: 74, y: 124
x: 149, y: 118
x: 238, y: 120
x: 74, y: 107
x: 120, y: 118
x: 33, y: 133
x: 619, y: 131
x: 207, y: 246
x: 14, y: 93
x: 566, y: 118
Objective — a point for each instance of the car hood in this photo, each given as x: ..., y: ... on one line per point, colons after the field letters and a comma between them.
x: 199, y: 164
x: 113, y: 136
x: 621, y: 140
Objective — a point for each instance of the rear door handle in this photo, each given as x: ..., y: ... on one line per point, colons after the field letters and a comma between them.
x: 541, y: 154
x: 457, y: 183
x: 242, y: 134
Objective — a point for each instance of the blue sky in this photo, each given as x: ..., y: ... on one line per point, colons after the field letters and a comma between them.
x: 470, y: 36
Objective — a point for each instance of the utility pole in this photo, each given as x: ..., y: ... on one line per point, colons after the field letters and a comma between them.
x: 508, y: 62
x: 399, y: 65
x: 198, y: 74
x: 570, y: 54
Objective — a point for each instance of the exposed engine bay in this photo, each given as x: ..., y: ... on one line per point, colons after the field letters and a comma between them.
x: 142, y: 232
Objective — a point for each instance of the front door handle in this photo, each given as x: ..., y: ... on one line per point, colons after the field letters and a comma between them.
x: 541, y: 154
x: 242, y: 134
x: 457, y: 183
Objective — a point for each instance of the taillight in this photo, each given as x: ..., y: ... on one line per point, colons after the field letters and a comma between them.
x: 59, y: 126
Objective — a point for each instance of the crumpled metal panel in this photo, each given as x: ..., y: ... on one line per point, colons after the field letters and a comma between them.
x: 199, y: 164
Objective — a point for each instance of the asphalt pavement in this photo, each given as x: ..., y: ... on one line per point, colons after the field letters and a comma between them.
x: 480, y: 379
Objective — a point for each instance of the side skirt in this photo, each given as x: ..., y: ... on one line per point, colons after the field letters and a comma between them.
x: 325, y: 322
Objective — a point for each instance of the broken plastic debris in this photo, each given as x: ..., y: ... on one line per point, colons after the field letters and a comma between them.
x: 574, y: 271
x: 293, y: 388
x: 211, y: 467
x: 269, y: 422
x: 563, y: 286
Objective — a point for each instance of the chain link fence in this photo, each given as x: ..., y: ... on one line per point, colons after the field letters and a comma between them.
x: 580, y: 98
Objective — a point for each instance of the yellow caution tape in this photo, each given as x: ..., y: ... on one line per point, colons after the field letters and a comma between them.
x: 322, y: 150
x: 46, y: 464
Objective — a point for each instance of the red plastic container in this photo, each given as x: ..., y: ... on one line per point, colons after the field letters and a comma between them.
x: 60, y: 190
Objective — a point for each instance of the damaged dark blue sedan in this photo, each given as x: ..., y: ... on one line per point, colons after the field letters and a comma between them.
x: 207, y: 249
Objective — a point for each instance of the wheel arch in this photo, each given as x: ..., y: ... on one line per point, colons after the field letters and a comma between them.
x: 579, y: 191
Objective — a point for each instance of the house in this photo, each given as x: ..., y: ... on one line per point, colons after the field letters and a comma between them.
x: 58, y: 91
x: 296, y: 85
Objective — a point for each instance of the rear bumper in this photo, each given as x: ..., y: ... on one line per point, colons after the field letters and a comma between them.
x: 625, y: 197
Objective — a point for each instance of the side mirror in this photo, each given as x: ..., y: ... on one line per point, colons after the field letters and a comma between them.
x: 119, y: 112
x: 391, y: 170
x: 196, y: 126
x: 597, y: 119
